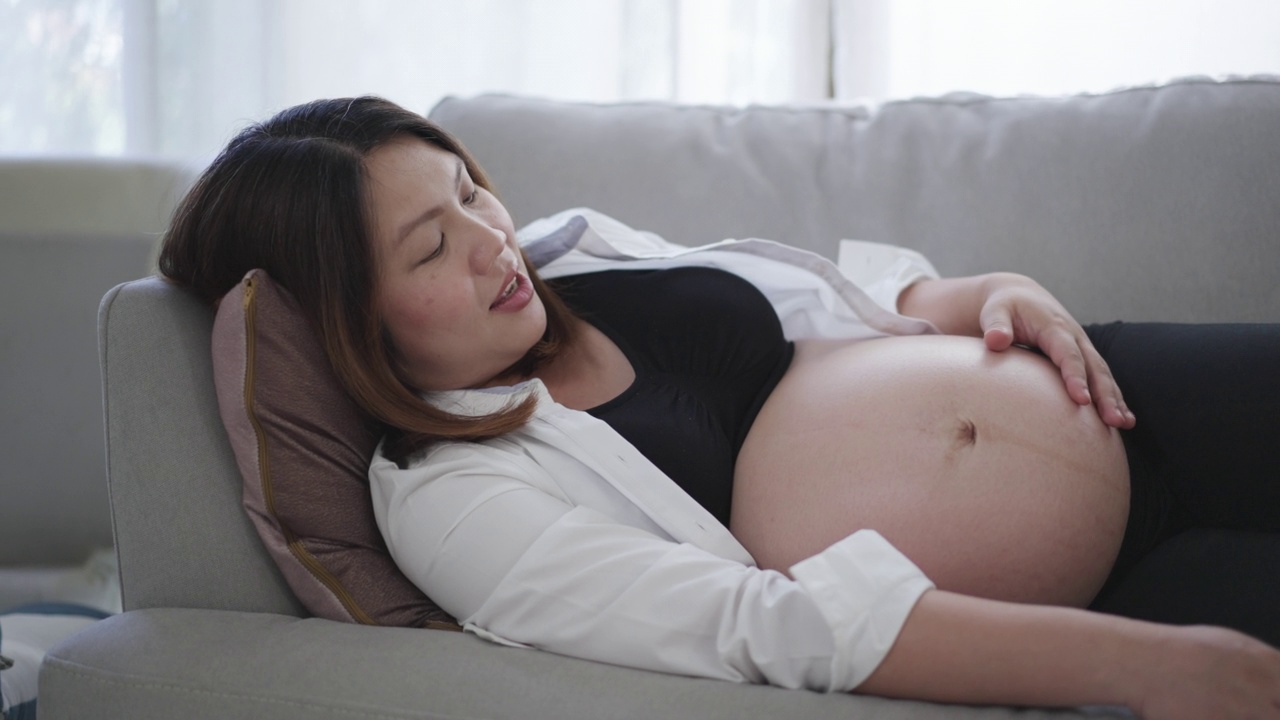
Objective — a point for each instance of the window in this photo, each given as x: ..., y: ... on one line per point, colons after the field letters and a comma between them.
x: 179, y: 77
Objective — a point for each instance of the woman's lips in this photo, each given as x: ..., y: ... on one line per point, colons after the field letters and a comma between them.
x: 518, y: 298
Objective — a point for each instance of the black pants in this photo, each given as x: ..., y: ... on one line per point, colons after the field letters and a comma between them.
x: 1203, y: 540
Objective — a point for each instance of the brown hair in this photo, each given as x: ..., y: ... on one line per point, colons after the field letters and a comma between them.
x: 289, y: 196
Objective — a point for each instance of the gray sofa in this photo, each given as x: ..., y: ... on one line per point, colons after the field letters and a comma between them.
x: 1157, y: 203
x: 70, y: 230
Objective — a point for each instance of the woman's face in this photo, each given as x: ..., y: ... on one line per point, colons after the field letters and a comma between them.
x: 452, y: 286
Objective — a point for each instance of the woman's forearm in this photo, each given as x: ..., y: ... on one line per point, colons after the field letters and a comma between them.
x: 953, y: 305
x: 955, y: 648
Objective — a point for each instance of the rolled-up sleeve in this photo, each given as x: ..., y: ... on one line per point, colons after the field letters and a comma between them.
x: 518, y: 564
x: 883, y: 271
x: 865, y: 589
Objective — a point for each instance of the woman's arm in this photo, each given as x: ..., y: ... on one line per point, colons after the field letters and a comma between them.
x: 490, y: 537
x: 955, y: 648
x: 1007, y: 308
x: 526, y: 566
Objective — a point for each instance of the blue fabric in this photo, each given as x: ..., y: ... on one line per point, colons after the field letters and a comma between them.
x: 25, y: 711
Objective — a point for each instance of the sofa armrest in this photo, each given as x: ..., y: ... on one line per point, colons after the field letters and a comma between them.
x: 166, y: 663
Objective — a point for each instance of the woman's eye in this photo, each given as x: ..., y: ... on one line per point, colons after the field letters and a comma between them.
x: 434, y: 253
x: 471, y: 199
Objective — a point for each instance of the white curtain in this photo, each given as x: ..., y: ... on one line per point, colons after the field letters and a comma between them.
x: 904, y: 48
x: 179, y: 77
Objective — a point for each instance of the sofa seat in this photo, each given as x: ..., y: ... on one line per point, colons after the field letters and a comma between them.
x: 195, y: 664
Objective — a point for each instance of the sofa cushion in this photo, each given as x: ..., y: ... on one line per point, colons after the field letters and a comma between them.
x: 303, y: 448
x: 169, y: 663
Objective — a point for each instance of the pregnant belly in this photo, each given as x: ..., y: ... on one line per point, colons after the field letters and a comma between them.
x: 975, y: 465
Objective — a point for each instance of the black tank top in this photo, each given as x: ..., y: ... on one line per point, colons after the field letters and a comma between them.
x: 707, y: 349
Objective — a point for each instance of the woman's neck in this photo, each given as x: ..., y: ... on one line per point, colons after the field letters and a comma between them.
x: 590, y: 372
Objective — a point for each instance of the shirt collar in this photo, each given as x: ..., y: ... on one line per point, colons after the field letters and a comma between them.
x: 477, y: 402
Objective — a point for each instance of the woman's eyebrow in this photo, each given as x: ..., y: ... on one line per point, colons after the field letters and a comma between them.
x: 434, y: 212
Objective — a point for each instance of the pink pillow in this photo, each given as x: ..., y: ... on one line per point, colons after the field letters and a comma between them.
x: 303, y: 447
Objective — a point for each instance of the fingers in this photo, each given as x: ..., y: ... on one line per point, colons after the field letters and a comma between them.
x: 1023, y: 312
x: 1218, y: 673
x: 996, y: 322
x: 1063, y: 349
x: 1086, y: 375
x: 1106, y: 391
x: 998, y: 338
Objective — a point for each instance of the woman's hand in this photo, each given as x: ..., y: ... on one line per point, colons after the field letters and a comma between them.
x: 956, y: 648
x: 1018, y: 310
x: 1007, y: 309
x: 1210, y: 672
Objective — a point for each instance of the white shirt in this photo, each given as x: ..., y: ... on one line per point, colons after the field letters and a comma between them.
x: 562, y: 536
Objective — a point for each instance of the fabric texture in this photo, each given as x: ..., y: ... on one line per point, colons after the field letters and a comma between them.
x: 303, y: 448
x: 1202, y: 543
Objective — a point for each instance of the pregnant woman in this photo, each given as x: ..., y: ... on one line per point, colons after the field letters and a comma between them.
x: 734, y: 462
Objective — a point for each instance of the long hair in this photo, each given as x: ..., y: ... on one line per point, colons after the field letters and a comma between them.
x: 289, y: 196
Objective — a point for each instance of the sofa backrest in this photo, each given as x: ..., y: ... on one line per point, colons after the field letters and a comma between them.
x: 1153, y: 203
x: 1146, y: 204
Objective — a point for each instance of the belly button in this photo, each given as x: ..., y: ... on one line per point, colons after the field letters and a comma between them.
x: 964, y: 437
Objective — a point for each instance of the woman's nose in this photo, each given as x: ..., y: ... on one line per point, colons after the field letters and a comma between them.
x: 487, y: 246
